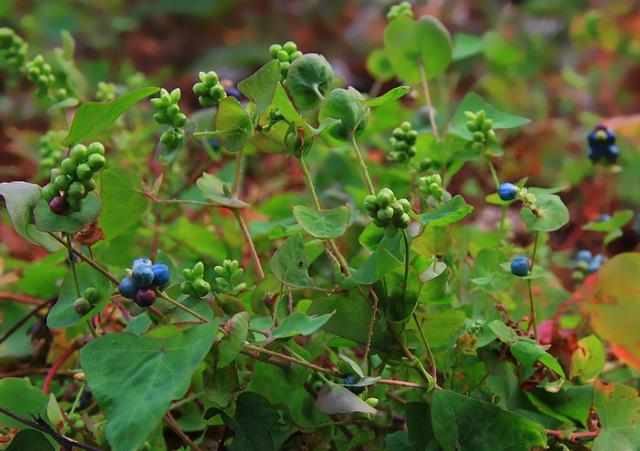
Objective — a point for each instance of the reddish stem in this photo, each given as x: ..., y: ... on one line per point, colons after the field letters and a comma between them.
x: 58, y: 364
x: 21, y: 298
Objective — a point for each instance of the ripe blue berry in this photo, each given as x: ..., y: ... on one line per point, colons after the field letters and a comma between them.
x: 145, y: 297
x: 584, y: 255
x: 142, y: 276
x: 602, y: 145
x: 141, y: 261
x: 507, y: 191
x: 127, y: 288
x: 595, y: 263
x: 520, y: 266
x: 161, y: 275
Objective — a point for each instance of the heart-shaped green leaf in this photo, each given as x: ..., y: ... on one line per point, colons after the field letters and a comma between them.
x: 290, y: 265
x: 233, y: 124
x: 325, y: 224
x: 261, y: 85
x: 300, y: 324
x: 551, y: 213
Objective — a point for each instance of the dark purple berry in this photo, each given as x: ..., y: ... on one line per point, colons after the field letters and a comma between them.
x: 145, y: 297
x: 59, y: 205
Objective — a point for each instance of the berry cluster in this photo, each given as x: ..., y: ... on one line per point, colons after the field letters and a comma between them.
x: 403, y: 143
x: 143, y: 280
x: 481, y: 128
x: 73, y: 179
x: 209, y: 89
x: 13, y: 50
x: 40, y: 73
x: 229, y: 278
x: 400, y: 10
x: 106, y: 92
x: 520, y: 266
x: 285, y: 54
x: 85, y: 303
x: 508, y: 192
x: 431, y: 185
x: 587, y: 263
x: 387, y: 211
x: 194, y: 283
x: 602, y: 145
x: 168, y: 113
x: 51, y: 149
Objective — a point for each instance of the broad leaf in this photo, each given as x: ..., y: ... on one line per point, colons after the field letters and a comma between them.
x: 379, y: 66
x: 120, y: 197
x: 589, y: 358
x: 474, y: 103
x: 213, y: 189
x: 388, y: 256
x: 618, y: 408
x: 466, y: 45
x: 135, y: 378
x: 283, y: 103
x: 233, y: 341
x: 20, y: 198
x: 463, y: 423
x: 20, y: 397
x: 290, y: 265
x: 451, y: 212
x: 300, y: 324
x: 260, y: 87
x: 233, y: 124
x: 391, y: 95
x: 325, y: 224
x: 63, y: 314
x: 253, y: 423
x: 93, y: 118
x: 30, y: 439
x: 551, y: 215
x: 48, y: 221
x: 334, y: 399
x: 18, y: 345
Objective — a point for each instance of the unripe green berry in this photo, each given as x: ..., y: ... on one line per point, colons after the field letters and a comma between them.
x: 92, y: 295
x: 96, y: 161
x: 290, y: 47
x: 61, y: 182
x: 274, y: 50
x: 68, y: 166
x: 95, y: 148
x: 78, y: 153
x: 49, y: 192
x: 76, y: 190
x: 84, y: 171
x: 81, y: 306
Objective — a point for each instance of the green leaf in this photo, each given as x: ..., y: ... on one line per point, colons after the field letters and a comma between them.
x: 233, y: 124
x: 30, y: 439
x: 253, y: 423
x: 213, y: 189
x: 612, y: 227
x: 334, y: 399
x: 290, y: 265
x: 233, y: 342
x: 499, y: 50
x: 283, y: 103
x: 589, y: 358
x: 388, y: 256
x: 379, y: 66
x: 463, y: 423
x: 419, y: 426
x: 20, y: 397
x: 93, y: 118
x: 120, y: 197
x: 391, y: 95
x: 135, y: 378
x: 325, y: 224
x: 473, y: 102
x: 410, y: 43
x: 261, y: 86
x: 451, y: 212
x: 618, y: 408
x: 552, y: 213
x: 300, y: 324
x: 466, y: 45
x: 18, y: 344
x: 20, y: 198
x: 63, y: 314
x: 48, y: 221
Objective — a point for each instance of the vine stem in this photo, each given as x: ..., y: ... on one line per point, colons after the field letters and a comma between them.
x: 169, y: 299
x: 372, y: 323
x: 427, y: 96
x: 237, y: 180
x: 532, y: 310
x: 252, y: 248
x: 46, y: 385
x: 175, y: 427
x: 494, y: 174
x: 363, y: 164
x: 72, y: 263
x: 20, y: 298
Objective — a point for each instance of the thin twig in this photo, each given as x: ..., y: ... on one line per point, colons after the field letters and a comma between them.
x: 372, y: 323
x: 23, y: 320
x: 175, y: 427
x: 20, y: 298
x: 46, y: 385
x: 252, y: 248
x: 237, y: 180
x: 363, y: 164
x: 427, y: 95
x: 89, y: 261
x: 532, y: 309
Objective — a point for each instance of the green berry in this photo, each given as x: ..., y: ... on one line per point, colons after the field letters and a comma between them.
x: 81, y: 306
x: 290, y: 47
x: 61, y: 182
x: 96, y: 161
x: 76, y: 190
x: 84, y: 171
x: 78, y: 153
x: 68, y: 166
x: 49, y: 192
x: 274, y: 50
x: 95, y: 148
x: 92, y: 295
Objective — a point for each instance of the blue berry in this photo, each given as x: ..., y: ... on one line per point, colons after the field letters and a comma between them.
x: 602, y: 142
x: 520, y: 266
x: 595, y: 263
x: 127, y: 288
x: 161, y: 275
x: 351, y: 379
x: 584, y: 255
x: 141, y: 261
x: 507, y: 191
x: 142, y: 276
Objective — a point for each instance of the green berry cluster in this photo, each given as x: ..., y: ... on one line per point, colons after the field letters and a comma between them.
x: 387, y: 211
x: 168, y: 113
x: 400, y: 10
x: 285, y: 54
x: 73, y: 180
x: 431, y: 185
x: 83, y: 305
x: 209, y: 89
x: 275, y: 116
x: 528, y: 199
x: 194, y: 283
x: 403, y: 143
x: 41, y: 74
x: 481, y: 127
x: 13, y: 50
x: 106, y: 92
x: 229, y: 278
x: 51, y: 150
